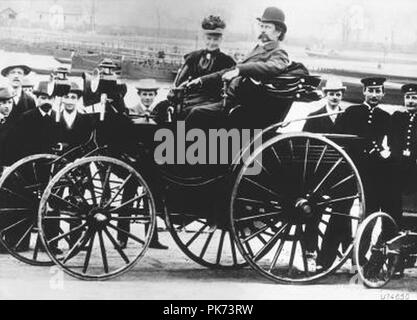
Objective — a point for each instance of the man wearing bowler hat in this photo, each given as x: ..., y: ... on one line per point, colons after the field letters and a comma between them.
x: 373, y: 124
x: 16, y: 75
x: 267, y: 60
x: 37, y: 130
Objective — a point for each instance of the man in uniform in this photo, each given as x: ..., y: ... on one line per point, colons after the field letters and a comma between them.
x: 373, y: 124
x: 147, y: 90
x: 337, y: 231
x: 265, y: 61
x: 16, y: 74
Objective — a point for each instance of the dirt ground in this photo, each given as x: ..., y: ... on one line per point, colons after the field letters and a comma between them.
x: 170, y: 275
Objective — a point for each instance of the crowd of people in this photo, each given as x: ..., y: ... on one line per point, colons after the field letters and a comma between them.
x: 387, y: 164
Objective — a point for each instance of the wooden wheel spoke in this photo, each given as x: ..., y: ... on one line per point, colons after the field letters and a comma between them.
x: 63, y: 201
x: 129, y: 202
x: 58, y: 218
x: 292, y: 256
x: 103, y: 252
x: 263, y: 215
x: 17, y: 195
x: 265, y: 203
x: 335, y: 165
x: 21, y: 178
x: 14, y: 225
x: 291, y: 149
x: 195, y: 236
x: 126, y: 233
x: 89, y: 250
x: 37, y: 247
x: 233, y: 248
x: 76, y: 247
x: 276, y: 155
x: 220, y: 248
x: 35, y: 174
x: 305, y: 160
x: 342, y: 181
x: 330, y: 201
x: 27, y: 232
x: 206, y: 244
x: 145, y: 219
x: 116, y: 246
x: 270, y: 243
x: 106, y: 186
x: 320, y: 159
x: 262, y: 166
x: 279, y: 249
x: 118, y: 191
x: 16, y: 210
x: 253, y: 235
x: 261, y: 187
x: 61, y: 236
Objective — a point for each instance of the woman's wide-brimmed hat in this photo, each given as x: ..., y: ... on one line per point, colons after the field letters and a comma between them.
x: 147, y: 85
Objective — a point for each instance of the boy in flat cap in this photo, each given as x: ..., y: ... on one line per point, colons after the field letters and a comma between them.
x: 373, y: 124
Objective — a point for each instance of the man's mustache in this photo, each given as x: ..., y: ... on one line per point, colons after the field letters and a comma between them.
x: 263, y: 36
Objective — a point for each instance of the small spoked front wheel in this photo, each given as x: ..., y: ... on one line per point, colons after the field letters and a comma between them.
x: 295, y: 207
x: 377, y: 249
x: 96, y: 218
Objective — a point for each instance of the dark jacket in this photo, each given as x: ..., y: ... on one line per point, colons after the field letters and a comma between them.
x: 319, y: 125
x: 78, y: 134
x: 263, y: 62
x: 25, y: 103
x: 32, y: 134
x: 355, y: 121
x: 200, y: 63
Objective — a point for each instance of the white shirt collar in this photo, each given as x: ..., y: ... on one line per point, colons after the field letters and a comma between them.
x: 69, y: 118
x: 43, y: 113
x: 329, y: 110
x: 18, y: 93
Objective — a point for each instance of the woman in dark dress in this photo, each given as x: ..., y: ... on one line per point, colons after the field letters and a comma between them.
x: 203, y: 62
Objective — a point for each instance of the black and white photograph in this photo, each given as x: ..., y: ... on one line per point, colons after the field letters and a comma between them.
x: 208, y: 150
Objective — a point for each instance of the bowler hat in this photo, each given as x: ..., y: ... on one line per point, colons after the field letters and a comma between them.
x: 373, y: 81
x: 25, y: 69
x: 147, y: 85
x: 75, y: 88
x: 334, y: 85
x: 274, y: 15
x: 44, y: 88
x: 6, y: 93
x: 409, y: 88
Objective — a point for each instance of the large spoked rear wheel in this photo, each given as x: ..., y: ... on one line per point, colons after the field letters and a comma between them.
x: 295, y: 207
x: 21, y: 188
x: 204, y: 242
x: 96, y: 218
x: 377, y: 252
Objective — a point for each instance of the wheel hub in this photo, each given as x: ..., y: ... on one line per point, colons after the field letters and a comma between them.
x: 304, y: 207
x: 98, y: 218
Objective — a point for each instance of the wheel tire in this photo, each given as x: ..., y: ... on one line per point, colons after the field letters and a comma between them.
x: 94, y: 197
x: 375, y: 264
x: 306, y: 186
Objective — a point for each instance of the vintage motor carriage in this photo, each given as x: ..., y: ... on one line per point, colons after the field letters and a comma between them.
x: 85, y: 200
